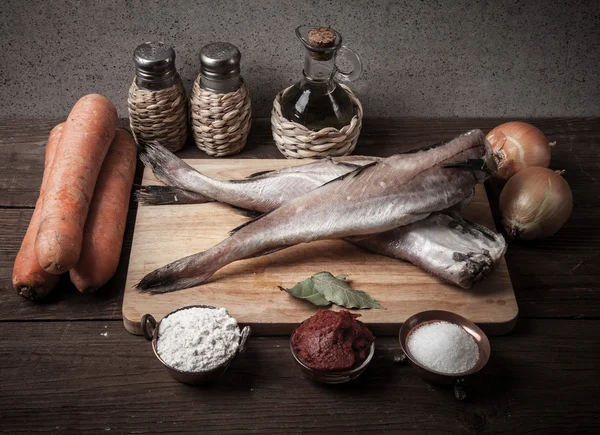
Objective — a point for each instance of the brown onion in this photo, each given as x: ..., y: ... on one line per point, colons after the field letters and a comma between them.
x: 518, y: 145
x: 535, y: 203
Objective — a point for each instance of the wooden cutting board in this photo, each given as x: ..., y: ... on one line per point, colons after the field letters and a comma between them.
x: 249, y: 288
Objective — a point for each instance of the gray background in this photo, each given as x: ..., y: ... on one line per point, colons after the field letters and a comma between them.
x: 422, y: 58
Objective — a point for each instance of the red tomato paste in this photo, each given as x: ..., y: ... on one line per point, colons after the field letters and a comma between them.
x: 332, y: 341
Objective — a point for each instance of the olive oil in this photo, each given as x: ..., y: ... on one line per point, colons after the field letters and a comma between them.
x: 318, y: 101
x: 317, y: 105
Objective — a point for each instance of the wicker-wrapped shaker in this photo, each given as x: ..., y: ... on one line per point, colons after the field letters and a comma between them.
x: 318, y: 116
x: 157, y: 102
x: 220, y: 103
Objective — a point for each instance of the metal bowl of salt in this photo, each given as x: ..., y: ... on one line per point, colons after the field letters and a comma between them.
x: 445, y: 376
x: 150, y: 330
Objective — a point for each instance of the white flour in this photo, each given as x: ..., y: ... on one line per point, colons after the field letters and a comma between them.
x: 197, y: 339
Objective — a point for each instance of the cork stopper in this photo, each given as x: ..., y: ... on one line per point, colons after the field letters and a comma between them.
x: 322, y: 38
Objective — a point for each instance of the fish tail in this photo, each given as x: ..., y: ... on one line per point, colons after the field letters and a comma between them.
x: 165, y: 165
x: 184, y: 273
x: 165, y: 195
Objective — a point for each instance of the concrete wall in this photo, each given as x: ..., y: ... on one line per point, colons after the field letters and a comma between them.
x: 422, y: 58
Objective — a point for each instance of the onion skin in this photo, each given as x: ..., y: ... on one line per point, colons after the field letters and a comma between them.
x: 535, y: 203
x: 518, y: 145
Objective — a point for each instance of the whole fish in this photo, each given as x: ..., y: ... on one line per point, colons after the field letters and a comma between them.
x: 260, y: 192
x: 444, y: 245
x: 377, y: 197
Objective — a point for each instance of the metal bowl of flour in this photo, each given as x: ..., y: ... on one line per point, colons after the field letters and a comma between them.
x: 150, y: 329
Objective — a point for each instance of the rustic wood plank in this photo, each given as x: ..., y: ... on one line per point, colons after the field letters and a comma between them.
x: 22, y: 148
x: 557, y: 277
x: 80, y: 377
x: 65, y: 302
x: 577, y: 151
x: 551, y: 274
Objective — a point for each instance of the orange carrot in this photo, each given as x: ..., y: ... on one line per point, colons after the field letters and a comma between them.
x: 86, y: 137
x: 29, y: 279
x: 105, y: 225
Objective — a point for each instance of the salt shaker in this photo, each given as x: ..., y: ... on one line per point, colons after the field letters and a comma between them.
x: 220, y: 102
x: 157, y: 102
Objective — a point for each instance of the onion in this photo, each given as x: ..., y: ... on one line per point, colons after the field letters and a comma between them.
x: 518, y: 145
x: 535, y: 203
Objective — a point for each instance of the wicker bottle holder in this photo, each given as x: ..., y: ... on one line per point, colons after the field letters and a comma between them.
x: 295, y: 141
x: 220, y: 122
x: 159, y: 116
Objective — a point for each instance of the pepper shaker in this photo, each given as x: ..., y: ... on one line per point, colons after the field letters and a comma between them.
x: 157, y: 102
x: 220, y: 102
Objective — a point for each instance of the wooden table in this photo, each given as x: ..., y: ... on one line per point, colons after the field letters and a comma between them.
x: 68, y: 365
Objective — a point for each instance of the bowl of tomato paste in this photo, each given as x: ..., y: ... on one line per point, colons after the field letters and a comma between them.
x: 332, y: 346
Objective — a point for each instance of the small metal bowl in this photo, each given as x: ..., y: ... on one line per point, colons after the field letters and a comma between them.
x: 190, y: 378
x: 332, y: 377
x: 435, y: 377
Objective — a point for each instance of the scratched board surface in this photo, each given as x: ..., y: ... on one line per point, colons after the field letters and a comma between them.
x: 249, y: 288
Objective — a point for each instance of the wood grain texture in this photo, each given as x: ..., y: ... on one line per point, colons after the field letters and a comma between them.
x: 65, y: 302
x: 94, y: 377
x: 557, y: 277
x: 249, y: 288
x: 22, y: 148
x: 577, y: 149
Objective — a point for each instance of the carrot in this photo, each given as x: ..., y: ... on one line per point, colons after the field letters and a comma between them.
x: 105, y: 225
x: 29, y: 279
x: 86, y: 137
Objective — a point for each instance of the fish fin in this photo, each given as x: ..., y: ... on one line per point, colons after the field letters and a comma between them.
x: 471, y: 165
x: 260, y: 173
x: 246, y: 212
x: 165, y: 195
x: 470, y: 226
x: 251, y: 221
x: 438, y: 144
x: 169, y: 286
x: 351, y: 166
x: 340, y: 163
x: 352, y: 173
x: 269, y: 251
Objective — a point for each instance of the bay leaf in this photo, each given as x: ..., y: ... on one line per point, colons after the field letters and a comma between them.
x: 339, y: 292
x: 306, y: 290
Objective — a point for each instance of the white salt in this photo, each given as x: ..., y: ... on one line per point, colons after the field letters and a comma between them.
x: 197, y: 339
x: 444, y: 347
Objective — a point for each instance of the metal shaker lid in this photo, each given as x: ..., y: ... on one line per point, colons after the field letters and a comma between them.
x: 220, y: 67
x: 154, y: 62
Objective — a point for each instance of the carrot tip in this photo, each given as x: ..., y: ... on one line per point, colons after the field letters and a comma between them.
x: 28, y: 292
x: 89, y: 289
